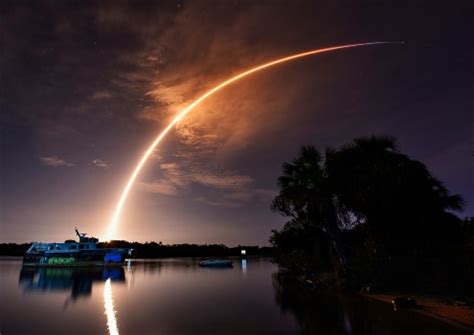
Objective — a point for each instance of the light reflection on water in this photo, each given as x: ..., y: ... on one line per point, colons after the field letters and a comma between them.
x: 109, y: 308
x: 176, y: 296
x: 244, y: 266
x: 78, y: 281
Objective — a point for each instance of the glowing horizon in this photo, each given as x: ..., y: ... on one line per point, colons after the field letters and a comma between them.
x: 123, y: 197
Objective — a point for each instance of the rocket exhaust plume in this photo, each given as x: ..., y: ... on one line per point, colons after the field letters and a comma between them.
x: 123, y: 197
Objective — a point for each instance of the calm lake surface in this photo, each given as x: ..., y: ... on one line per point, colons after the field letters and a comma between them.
x: 175, y: 296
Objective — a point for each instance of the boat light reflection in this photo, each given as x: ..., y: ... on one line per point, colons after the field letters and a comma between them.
x: 244, y: 266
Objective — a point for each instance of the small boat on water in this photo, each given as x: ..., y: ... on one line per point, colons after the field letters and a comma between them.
x: 71, y: 253
x: 216, y: 263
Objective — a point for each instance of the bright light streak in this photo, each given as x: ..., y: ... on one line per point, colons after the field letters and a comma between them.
x: 123, y: 197
x: 109, y: 309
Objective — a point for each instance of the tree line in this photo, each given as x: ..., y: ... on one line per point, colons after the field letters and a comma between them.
x: 158, y: 250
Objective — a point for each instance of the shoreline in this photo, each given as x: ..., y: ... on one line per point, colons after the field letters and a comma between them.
x: 459, y: 315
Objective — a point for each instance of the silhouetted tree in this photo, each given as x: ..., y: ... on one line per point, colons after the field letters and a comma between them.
x: 387, y: 201
x: 393, y: 195
x: 306, y: 197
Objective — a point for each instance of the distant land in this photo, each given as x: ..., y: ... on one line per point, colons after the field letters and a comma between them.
x: 159, y: 250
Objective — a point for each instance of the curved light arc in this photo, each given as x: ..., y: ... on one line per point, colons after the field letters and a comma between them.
x: 126, y: 190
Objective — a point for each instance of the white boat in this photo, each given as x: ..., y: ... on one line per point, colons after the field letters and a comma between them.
x: 216, y: 263
x: 72, y: 253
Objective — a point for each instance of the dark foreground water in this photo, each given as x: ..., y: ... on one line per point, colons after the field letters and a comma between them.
x: 175, y: 296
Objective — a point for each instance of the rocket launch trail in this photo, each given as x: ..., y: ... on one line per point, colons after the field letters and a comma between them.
x: 126, y: 190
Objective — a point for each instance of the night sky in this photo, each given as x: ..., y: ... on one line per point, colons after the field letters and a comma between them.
x: 85, y: 87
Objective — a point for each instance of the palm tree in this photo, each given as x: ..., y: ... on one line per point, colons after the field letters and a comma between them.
x: 306, y: 197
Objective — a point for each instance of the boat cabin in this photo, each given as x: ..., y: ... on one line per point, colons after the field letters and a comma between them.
x: 85, y: 243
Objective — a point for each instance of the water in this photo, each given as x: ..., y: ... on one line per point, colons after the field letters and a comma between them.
x: 175, y: 296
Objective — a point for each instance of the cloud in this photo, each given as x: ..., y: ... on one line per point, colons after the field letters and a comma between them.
x: 222, y: 188
x: 221, y: 181
x: 180, y: 176
x: 239, y: 198
x: 189, y: 174
x: 104, y: 94
x: 164, y: 187
x: 100, y: 163
x: 54, y: 161
x: 218, y: 203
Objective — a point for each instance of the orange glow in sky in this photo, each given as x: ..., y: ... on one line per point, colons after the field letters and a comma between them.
x: 111, y: 230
